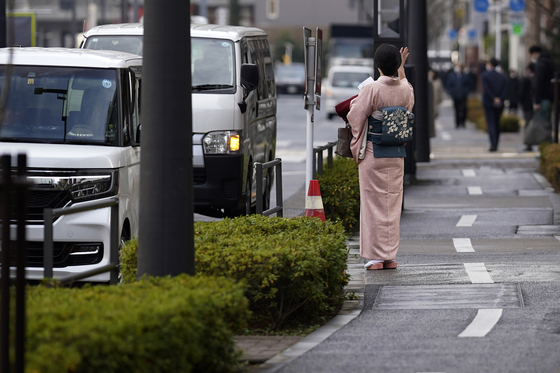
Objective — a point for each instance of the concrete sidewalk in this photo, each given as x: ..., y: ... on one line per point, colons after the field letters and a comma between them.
x: 507, y: 181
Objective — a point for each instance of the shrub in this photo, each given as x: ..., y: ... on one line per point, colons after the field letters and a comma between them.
x: 179, y: 324
x: 509, y: 123
x: 550, y: 162
x: 290, y: 267
x: 475, y: 113
x: 340, y: 192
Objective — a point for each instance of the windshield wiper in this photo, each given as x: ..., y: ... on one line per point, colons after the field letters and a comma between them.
x: 206, y: 87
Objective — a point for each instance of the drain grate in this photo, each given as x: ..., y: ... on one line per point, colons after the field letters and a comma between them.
x: 449, y: 296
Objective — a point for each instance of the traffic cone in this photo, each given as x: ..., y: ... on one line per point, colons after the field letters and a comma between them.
x: 314, y: 203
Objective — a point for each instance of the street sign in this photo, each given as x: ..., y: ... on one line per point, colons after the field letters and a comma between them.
x: 516, y: 18
x: 452, y: 34
x: 481, y: 5
x: 306, y: 36
x: 471, y: 33
x: 517, y: 29
x: 517, y: 5
x: 318, y: 60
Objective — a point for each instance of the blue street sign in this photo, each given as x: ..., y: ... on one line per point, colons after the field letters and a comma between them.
x: 517, y: 5
x: 452, y: 34
x: 471, y: 33
x: 481, y: 5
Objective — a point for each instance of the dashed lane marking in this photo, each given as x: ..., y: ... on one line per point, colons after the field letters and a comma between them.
x: 474, y: 190
x: 466, y: 221
x: 463, y: 245
x: 478, y: 273
x: 469, y: 172
x: 483, y: 323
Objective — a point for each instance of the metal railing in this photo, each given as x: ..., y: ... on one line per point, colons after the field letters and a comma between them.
x: 51, y: 214
x: 318, y: 158
x: 10, y: 186
x: 279, y: 209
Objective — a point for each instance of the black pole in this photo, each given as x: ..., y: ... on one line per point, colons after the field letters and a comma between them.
x: 234, y: 12
x: 5, y: 270
x: 418, y: 47
x: 124, y: 11
x: 21, y: 189
x: 73, y: 27
x: 166, y: 239
x: 556, y: 97
x: 3, y: 28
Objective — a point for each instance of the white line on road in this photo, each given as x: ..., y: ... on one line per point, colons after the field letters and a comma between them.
x: 469, y: 172
x: 463, y: 245
x: 483, y: 323
x: 466, y: 221
x: 474, y: 190
x: 478, y: 273
x: 445, y: 136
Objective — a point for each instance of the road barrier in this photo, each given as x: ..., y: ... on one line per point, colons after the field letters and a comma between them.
x: 51, y: 214
x: 318, y: 158
x: 277, y: 164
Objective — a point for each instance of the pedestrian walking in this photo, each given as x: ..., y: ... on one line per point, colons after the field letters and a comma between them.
x: 381, y: 168
x: 542, y: 87
x: 436, y: 99
x: 525, y: 98
x: 494, y: 91
x: 458, y: 85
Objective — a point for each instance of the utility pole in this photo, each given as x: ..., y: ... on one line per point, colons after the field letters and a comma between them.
x: 418, y: 47
x: 166, y: 239
x: 3, y: 28
x: 234, y: 13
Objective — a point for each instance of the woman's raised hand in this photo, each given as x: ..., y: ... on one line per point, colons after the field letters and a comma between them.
x: 404, y: 55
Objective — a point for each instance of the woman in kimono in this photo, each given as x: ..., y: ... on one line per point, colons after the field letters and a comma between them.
x: 381, y: 168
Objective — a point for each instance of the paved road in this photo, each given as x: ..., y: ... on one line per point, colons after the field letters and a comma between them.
x: 478, y: 283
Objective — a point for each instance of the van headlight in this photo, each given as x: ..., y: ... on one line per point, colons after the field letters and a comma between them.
x: 93, y: 185
x: 223, y: 142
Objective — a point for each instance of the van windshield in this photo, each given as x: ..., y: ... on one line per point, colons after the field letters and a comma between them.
x: 60, y: 105
x: 212, y: 64
x: 122, y: 43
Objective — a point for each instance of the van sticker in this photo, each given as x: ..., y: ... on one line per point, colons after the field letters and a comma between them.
x: 107, y: 83
x: 225, y: 45
x: 30, y: 81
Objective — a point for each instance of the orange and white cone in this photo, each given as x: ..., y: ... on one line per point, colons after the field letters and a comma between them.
x: 314, y: 202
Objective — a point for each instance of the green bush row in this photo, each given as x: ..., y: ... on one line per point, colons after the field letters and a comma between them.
x: 180, y: 324
x: 290, y: 267
x: 475, y: 113
x: 340, y: 192
x: 550, y: 163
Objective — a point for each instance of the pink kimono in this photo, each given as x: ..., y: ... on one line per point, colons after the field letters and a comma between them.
x: 381, y: 179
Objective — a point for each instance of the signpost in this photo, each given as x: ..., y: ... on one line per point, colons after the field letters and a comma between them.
x: 313, y: 53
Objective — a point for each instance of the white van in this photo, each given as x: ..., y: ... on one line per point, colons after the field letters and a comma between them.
x: 233, y: 126
x: 75, y: 114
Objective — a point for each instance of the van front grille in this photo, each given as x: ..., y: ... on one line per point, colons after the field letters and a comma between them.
x: 38, y: 200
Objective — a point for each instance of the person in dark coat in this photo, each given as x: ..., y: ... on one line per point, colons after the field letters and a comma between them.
x: 513, y: 92
x: 525, y: 98
x: 494, y: 91
x: 458, y: 85
x: 542, y: 87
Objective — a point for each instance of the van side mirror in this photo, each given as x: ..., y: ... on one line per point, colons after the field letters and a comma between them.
x: 249, y: 76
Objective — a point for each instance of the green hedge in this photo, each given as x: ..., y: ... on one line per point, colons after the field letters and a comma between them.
x: 550, y: 162
x: 290, y: 267
x: 179, y: 324
x: 340, y: 192
x: 509, y: 123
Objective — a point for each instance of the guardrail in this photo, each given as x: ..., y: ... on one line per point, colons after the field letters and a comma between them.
x: 11, y: 187
x: 279, y: 209
x: 318, y: 158
x: 50, y: 214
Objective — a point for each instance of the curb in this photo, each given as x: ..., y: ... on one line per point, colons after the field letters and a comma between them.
x: 350, y: 309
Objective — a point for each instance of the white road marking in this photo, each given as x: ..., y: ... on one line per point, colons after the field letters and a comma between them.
x: 466, y: 221
x: 445, y: 136
x: 469, y: 172
x: 474, y: 190
x: 463, y: 245
x: 483, y: 323
x: 478, y: 273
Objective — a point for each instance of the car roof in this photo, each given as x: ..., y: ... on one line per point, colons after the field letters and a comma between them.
x: 233, y: 33
x: 68, y: 57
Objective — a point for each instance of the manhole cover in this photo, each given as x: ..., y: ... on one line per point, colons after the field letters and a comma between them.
x: 449, y: 296
x: 538, y: 229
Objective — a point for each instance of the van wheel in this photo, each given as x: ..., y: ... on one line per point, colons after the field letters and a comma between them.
x: 248, y: 203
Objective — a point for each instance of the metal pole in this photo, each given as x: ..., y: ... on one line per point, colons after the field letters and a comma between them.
x: 259, y: 175
x: 556, y: 98
x: 499, y: 30
x: 48, y: 243
x: 279, y: 198
x: 73, y: 26
x: 3, y: 28
x: 418, y: 46
x: 114, y: 252
x: 310, y: 107
x: 166, y: 240
x: 21, y: 190
x: 5, y: 270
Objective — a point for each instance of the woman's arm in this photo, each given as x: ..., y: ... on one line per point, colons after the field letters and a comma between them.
x: 404, y: 56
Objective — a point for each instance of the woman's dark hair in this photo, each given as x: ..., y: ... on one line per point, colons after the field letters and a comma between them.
x: 387, y: 58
